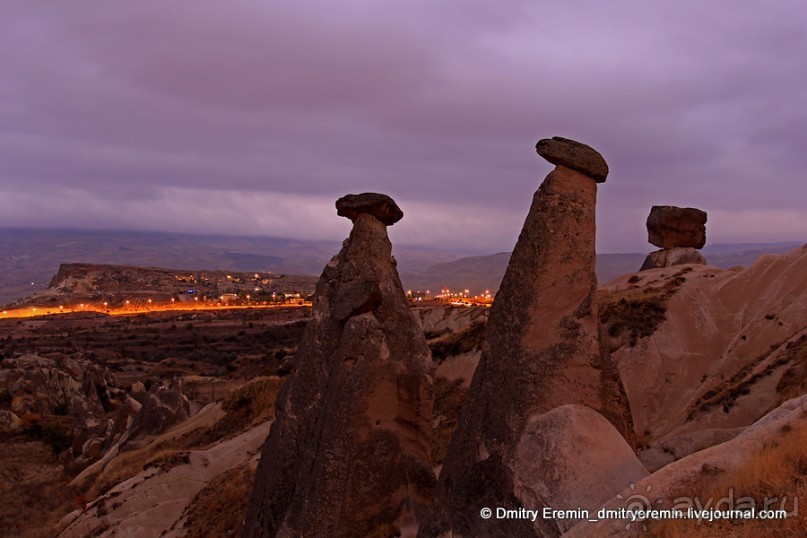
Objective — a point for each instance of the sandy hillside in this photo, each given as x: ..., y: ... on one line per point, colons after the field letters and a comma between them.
x: 731, y: 347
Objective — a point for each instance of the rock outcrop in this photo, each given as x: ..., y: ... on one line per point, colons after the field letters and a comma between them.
x: 675, y: 227
x: 584, y: 454
x: 9, y: 422
x: 162, y: 407
x: 542, y: 351
x: 155, y: 501
x: 57, y: 386
x: 93, y: 436
x: 667, y: 257
x: 676, y: 486
x: 101, y: 412
x: 679, y: 231
x: 349, y: 451
x: 731, y: 346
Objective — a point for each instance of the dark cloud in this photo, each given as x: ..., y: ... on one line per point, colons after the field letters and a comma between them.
x: 252, y: 117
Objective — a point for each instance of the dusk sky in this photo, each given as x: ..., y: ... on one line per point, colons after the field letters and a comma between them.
x: 253, y: 117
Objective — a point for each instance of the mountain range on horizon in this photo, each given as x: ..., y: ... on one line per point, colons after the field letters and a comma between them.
x: 30, y: 257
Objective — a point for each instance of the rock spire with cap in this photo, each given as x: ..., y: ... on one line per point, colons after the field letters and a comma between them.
x: 541, y: 351
x: 349, y: 451
x: 679, y: 231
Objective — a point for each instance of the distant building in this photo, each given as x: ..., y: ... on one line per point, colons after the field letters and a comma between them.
x: 229, y: 298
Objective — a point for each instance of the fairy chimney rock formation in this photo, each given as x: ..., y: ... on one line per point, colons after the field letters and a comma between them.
x: 679, y: 232
x: 542, y: 351
x: 349, y: 451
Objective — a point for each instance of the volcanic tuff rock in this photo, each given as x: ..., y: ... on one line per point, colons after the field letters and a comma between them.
x: 163, y: 406
x: 156, y: 500
x: 349, y: 451
x: 676, y: 485
x: 668, y: 257
x: 571, y: 154
x: 673, y: 227
x: 586, y: 457
x: 380, y: 206
x: 57, y: 386
x: 731, y: 347
x: 9, y: 422
x: 541, y: 351
x: 93, y: 437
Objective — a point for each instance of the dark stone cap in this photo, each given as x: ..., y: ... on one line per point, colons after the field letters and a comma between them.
x: 676, y: 227
x: 380, y: 206
x: 574, y: 155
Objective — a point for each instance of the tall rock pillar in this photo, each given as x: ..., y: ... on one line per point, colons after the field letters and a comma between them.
x: 349, y: 451
x: 542, y: 351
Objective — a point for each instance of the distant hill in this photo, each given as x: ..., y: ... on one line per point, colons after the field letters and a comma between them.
x: 479, y: 273
x: 29, y: 258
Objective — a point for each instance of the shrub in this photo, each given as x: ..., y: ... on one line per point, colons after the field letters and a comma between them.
x: 5, y: 397
x: 250, y: 404
x: 218, y: 509
x: 61, y: 409
x: 778, y: 471
x: 56, y: 436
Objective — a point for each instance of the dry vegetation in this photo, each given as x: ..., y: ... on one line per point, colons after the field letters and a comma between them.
x: 638, y: 311
x: 160, y: 345
x: 794, y: 380
x: 251, y: 404
x: 217, y: 510
x: 244, y: 407
x: 33, y: 490
x: 792, y: 384
x: 778, y: 473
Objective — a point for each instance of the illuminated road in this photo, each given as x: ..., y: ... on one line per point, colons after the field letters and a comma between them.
x: 37, y: 311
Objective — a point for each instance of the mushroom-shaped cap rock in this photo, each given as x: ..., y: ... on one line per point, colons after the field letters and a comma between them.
x: 575, y: 155
x: 380, y: 206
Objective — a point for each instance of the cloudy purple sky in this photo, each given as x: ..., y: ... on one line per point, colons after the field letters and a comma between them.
x: 253, y: 117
